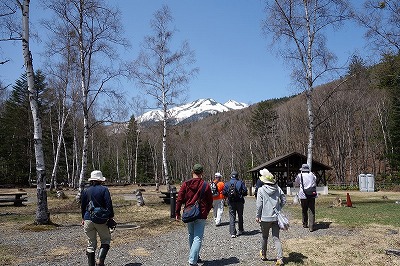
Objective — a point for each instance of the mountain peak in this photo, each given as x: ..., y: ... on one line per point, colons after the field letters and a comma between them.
x: 234, y: 105
x: 192, y: 111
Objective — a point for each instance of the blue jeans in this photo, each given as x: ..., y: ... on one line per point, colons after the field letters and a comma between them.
x: 196, y: 232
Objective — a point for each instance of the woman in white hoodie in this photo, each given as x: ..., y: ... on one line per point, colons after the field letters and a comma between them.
x: 270, y: 197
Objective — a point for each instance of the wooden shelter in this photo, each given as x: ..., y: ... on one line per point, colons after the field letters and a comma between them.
x: 286, y: 167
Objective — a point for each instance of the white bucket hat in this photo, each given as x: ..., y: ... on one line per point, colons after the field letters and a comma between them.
x: 266, y: 177
x: 97, y: 175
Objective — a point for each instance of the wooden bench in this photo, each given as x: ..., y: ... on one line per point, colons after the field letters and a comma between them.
x: 15, y: 197
x: 166, y: 196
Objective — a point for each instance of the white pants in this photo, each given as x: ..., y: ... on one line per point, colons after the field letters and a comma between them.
x: 218, y: 209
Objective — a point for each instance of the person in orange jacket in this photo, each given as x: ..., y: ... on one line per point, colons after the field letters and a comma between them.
x: 218, y: 199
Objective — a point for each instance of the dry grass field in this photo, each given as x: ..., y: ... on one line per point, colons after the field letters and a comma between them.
x: 365, y: 246
x: 66, y: 212
x: 373, y: 219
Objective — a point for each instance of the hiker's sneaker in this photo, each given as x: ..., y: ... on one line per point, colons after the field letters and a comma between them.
x: 279, y: 262
x: 240, y: 233
x: 233, y: 236
x: 311, y: 228
x: 199, y: 260
x: 263, y: 257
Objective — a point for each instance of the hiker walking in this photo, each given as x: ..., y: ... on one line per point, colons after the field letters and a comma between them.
x: 235, y: 191
x: 307, y: 180
x: 99, y: 196
x: 217, y: 187
x: 270, y: 198
x: 188, y: 194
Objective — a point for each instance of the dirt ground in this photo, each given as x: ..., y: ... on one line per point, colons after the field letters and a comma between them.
x: 348, y: 246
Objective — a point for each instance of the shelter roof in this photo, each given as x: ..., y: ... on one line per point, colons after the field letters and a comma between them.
x: 289, y: 162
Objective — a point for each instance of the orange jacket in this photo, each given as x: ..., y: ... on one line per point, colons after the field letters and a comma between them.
x: 220, y: 187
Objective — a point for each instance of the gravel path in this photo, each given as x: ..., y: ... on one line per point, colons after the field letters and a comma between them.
x: 167, y: 249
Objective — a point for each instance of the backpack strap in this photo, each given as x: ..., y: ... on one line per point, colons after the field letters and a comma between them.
x: 203, y: 188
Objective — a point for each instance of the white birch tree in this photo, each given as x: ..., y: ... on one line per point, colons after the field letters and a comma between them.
x: 42, y: 212
x: 96, y: 28
x: 300, y: 25
x: 162, y: 72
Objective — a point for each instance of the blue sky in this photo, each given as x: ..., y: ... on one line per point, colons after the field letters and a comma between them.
x: 234, y: 58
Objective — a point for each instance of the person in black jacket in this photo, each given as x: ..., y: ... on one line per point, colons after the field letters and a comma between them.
x: 100, y: 197
x: 235, y: 190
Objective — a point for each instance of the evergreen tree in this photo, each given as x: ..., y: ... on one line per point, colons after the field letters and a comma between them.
x: 17, y: 161
x: 389, y: 79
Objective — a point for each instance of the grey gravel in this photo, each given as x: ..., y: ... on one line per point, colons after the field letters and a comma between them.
x: 167, y: 249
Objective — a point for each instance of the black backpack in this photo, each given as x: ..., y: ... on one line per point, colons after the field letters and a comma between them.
x: 214, y: 188
x: 233, y: 193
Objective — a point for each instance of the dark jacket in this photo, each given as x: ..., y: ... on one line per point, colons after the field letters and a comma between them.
x: 187, y: 196
x: 100, y: 196
x: 259, y: 184
x: 240, y: 187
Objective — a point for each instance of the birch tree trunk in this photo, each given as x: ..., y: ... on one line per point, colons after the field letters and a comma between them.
x: 84, y: 92
x: 42, y: 212
x: 163, y: 73
x: 298, y: 25
x: 164, y: 145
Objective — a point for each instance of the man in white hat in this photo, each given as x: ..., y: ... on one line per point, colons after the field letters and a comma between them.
x: 305, y: 180
x: 218, y: 198
x: 99, y: 196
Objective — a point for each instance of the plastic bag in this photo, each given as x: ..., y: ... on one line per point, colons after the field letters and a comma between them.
x: 283, y: 221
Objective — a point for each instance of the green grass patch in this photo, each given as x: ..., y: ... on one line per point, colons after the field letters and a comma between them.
x: 362, y: 213
x: 367, y: 209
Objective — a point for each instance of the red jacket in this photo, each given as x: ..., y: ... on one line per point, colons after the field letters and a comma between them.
x: 187, y: 195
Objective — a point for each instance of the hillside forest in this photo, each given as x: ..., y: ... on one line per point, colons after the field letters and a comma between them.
x: 356, y: 118
x: 357, y: 131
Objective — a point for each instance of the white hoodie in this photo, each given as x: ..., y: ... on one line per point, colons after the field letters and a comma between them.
x: 268, y: 197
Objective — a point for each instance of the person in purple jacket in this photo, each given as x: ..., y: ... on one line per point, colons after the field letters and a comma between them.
x: 100, y: 196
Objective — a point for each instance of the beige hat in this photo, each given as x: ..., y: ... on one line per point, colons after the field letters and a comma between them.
x: 97, y: 175
x: 266, y: 177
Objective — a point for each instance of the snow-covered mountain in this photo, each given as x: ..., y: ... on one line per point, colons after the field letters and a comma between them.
x: 190, y: 112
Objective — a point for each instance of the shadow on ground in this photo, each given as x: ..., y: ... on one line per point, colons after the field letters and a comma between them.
x: 295, y: 257
x: 221, y: 262
x: 322, y: 225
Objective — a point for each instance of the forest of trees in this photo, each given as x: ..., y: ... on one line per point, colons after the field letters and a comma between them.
x: 356, y: 122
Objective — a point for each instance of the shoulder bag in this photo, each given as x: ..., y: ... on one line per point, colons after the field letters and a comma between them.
x: 98, y: 215
x: 310, y: 192
x: 192, y: 212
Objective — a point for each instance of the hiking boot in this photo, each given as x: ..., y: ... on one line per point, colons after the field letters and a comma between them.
x: 102, y: 254
x: 91, y: 258
x: 279, y: 262
x: 233, y: 236
x: 240, y: 233
x: 263, y: 257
